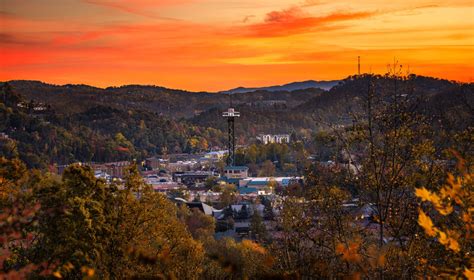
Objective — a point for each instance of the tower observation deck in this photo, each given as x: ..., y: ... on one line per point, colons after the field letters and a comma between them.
x: 231, y: 114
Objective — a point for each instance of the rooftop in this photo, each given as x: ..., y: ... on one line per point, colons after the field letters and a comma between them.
x: 236, y: 168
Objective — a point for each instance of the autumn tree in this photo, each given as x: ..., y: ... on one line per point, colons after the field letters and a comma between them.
x: 116, y: 230
x: 451, y: 227
x: 229, y: 259
x: 200, y: 226
x: 391, y: 146
x: 267, y: 169
x: 228, y: 195
x: 17, y: 219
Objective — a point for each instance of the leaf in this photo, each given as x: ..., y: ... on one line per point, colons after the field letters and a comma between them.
x: 445, y: 210
x: 454, y: 245
x: 57, y: 274
x: 468, y: 273
x: 89, y: 272
x: 427, y: 224
x: 423, y: 193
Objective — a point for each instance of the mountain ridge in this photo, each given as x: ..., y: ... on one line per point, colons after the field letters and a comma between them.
x: 325, y: 85
x: 298, y: 85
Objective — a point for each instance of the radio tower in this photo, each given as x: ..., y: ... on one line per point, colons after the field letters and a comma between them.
x: 358, y: 65
x: 231, y: 114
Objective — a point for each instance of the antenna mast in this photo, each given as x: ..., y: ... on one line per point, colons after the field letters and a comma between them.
x: 358, y: 65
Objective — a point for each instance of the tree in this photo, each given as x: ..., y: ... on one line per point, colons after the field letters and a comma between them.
x: 119, y: 232
x: 228, y: 196
x: 210, y: 182
x: 200, y: 226
x: 229, y: 259
x: 257, y: 227
x: 17, y: 218
x: 72, y: 215
x: 453, y: 227
x: 312, y: 227
x: 268, y: 211
x: 267, y: 169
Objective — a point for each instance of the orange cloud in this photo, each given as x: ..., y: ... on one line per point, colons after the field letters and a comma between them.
x: 213, y: 54
x: 295, y: 21
x: 139, y: 7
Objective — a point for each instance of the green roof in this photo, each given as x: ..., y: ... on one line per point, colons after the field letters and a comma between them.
x: 247, y: 190
x: 258, y: 182
x: 236, y: 168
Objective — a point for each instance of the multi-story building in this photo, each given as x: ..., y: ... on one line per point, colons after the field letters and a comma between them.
x: 274, y: 138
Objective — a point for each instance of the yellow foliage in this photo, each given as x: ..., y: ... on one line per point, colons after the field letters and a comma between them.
x: 454, y: 188
x: 469, y: 274
x: 68, y: 266
x: 57, y: 274
x: 252, y: 246
x: 89, y: 272
x: 426, y: 195
x: 456, y: 192
x: 448, y: 241
x: 427, y: 224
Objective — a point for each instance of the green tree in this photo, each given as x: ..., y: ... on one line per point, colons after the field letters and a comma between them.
x: 267, y: 169
x: 257, y: 227
x: 127, y: 231
x: 228, y: 195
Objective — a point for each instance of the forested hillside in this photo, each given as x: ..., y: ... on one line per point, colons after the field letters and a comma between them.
x: 83, y: 123
x: 446, y: 103
x: 172, y: 103
x: 42, y: 136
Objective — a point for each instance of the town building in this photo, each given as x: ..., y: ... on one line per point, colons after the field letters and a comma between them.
x: 154, y: 163
x: 183, y: 166
x: 265, y: 185
x: 161, y: 183
x: 115, y: 169
x: 274, y: 138
x: 236, y: 172
x: 216, y: 155
x: 193, y: 179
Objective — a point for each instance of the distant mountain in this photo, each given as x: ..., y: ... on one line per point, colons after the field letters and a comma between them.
x: 325, y: 85
x: 172, y: 103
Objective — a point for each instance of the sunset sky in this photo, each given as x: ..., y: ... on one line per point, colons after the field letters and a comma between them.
x: 219, y: 44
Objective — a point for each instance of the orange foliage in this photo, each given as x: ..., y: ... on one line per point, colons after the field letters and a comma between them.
x: 350, y: 252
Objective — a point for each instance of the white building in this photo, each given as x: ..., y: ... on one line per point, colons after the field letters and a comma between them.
x: 274, y: 138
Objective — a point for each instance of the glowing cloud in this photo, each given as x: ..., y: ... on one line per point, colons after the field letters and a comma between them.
x: 214, y: 45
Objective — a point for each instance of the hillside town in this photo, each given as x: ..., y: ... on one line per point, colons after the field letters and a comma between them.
x: 210, y: 183
x: 236, y: 140
x: 254, y: 198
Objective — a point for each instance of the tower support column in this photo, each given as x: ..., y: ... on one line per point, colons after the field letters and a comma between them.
x: 231, y: 114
